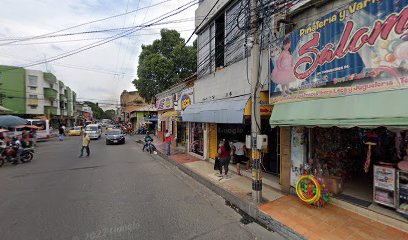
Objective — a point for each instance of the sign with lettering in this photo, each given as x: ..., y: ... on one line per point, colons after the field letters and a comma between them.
x: 359, y: 48
x: 164, y: 103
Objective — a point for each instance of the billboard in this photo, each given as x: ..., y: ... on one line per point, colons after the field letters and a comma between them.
x: 186, y: 98
x: 361, y: 47
x: 164, y: 103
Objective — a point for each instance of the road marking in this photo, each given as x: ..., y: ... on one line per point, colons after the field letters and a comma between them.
x: 107, y: 232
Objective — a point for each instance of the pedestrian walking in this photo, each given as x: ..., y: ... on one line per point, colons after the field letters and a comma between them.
x: 61, y: 133
x: 85, y: 145
x: 224, y: 155
x: 239, y: 155
x: 168, y: 142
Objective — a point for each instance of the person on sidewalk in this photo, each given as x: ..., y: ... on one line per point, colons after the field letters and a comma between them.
x: 85, y: 145
x: 168, y: 142
x: 239, y: 155
x: 61, y: 133
x: 224, y: 155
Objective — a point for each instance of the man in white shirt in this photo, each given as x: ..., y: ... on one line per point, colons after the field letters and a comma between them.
x: 239, y: 155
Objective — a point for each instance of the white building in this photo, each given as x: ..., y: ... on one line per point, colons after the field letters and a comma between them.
x: 48, y: 97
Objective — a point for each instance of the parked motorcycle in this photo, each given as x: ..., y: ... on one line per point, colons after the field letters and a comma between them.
x: 9, y: 154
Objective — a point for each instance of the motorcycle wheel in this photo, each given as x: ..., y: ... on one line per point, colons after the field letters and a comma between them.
x: 150, y: 149
x: 1, y: 162
x: 27, y: 157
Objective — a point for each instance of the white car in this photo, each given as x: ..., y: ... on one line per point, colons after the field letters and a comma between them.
x: 94, y: 131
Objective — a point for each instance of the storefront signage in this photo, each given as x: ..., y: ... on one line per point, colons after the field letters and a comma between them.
x: 186, y: 99
x: 359, y: 48
x: 164, y: 103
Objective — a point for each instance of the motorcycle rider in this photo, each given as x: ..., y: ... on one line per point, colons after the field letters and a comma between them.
x: 147, y: 138
x: 16, y: 143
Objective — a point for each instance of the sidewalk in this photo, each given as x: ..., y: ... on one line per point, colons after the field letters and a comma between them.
x: 284, y: 214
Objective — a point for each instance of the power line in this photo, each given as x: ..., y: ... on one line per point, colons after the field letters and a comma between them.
x: 112, y: 38
x: 86, y: 23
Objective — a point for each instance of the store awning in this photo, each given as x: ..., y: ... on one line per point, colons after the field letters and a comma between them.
x: 370, y: 110
x: 167, y: 116
x: 230, y: 110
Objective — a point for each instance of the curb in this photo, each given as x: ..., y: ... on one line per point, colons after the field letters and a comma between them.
x: 248, y: 207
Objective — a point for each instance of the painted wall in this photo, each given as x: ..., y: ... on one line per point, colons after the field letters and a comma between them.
x: 13, y: 88
x: 204, y: 7
x: 69, y: 100
x: 232, y: 79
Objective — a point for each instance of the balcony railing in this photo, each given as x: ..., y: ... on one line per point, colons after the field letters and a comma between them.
x: 50, y: 78
x: 50, y: 93
x: 33, y: 102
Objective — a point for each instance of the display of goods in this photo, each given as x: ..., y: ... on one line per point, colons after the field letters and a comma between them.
x: 309, y: 190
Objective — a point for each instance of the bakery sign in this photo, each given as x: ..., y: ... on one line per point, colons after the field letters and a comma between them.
x: 164, y: 103
x: 358, y: 48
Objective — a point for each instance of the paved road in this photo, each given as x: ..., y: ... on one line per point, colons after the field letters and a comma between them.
x: 117, y: 193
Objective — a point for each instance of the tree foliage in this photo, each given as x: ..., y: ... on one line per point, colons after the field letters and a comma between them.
x: 163, y: 63
x: 110, y: 114
x: 98, y: 112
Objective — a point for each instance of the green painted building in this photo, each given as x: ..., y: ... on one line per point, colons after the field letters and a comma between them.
x: 68, y: 94
x: 13, y: 89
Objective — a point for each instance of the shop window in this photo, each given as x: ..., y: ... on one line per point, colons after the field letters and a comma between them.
x: 197, y: 139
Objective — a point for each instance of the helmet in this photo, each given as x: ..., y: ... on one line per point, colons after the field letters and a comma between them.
x: 15, y: 138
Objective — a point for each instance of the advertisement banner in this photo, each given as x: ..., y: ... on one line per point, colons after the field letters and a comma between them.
x: 186, y: 98
x: 164, y: 103
x: 358, y: 48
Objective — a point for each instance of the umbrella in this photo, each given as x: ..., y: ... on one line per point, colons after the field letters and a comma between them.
x: 11, y: 121
x: 3, y: 130
x: 29, y: 126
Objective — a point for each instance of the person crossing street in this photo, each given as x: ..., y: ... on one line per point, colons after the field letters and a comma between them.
x: 85, y: 145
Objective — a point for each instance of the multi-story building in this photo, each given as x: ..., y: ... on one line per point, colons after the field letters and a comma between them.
x: 335, y: 73
x: 36, y: 94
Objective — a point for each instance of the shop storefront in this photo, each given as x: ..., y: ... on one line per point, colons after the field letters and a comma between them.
x: 345, y: 119
x: 197, y: 138
x: 214, y: 120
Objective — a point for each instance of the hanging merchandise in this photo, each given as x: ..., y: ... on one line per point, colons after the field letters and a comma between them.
x: 370, y: 139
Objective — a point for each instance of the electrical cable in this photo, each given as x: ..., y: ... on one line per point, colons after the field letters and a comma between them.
x: 102, y: 42
x: 86, y: 23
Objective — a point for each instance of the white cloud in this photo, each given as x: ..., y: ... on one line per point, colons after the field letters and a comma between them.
x: 22, y: 18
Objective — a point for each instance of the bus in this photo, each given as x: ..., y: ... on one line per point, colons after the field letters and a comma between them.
x: 45, y: 131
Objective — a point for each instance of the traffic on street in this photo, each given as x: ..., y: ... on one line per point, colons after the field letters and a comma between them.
x: 204, y: 119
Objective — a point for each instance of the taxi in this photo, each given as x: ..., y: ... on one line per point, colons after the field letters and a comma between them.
x: 75, y: 131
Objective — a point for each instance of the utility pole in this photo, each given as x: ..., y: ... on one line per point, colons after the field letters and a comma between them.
x: 255, y: 113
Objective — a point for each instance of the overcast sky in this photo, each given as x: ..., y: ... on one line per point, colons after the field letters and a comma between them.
x: 25, y: 18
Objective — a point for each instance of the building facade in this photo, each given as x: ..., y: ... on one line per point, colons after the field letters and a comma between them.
x: 36, y: 94
x: 334, y: 73
x: 170, y: 106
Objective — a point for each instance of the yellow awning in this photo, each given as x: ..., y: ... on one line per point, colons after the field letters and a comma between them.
x: 170, y: 115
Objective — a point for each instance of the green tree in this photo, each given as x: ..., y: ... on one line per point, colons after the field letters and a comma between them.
x: 163, y: 63
x: 97, y: 111
x: 110, y: 114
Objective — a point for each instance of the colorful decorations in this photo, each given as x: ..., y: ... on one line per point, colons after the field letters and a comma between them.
x: 309, y: 190
x: 185, y: 101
